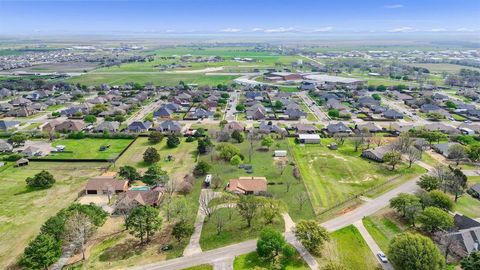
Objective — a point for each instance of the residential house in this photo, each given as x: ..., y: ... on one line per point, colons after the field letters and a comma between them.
x: 369, y: 126
x: 233, y: 126
x: 475, y: 191
x: 139, y: 126
x: 132, y: 198
x: 443, y: 148
x: 295, y: 114
x: 20, y: 101
x: 305, y: 128
x: 70, y: 126
x: 105, y: 185
x: 247, y: 185
x: 8, y: 125
x: 377, y: 153
x: 24, y: 111
x: 169, y: 126
x: 5, y: 147
x: 309, y: 138
x: 338, y: 128
x: 442, y: 128
x: 268, y: 127
x: 108, y: 126
x: 392, y: 114
x: 466, y: 234
x: 201, y: 113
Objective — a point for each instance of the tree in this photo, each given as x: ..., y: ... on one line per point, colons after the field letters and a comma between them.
x: 181, y: 229
x: 414, y: 251
x: 456, y: 152
x: 357, y: 142
x: 155, y: 175
x: 392, y: 158
x: 413, y: 155
x: 457, y: 182
x: 435, y: 116
x: 42, y: 179
x: 333, y: 113
x: 377, y: 140
x: 439, y: 199
x: 129, y: 173
x: 429, y: 182
x: 201, y: 168
x: 471, y: 262
x: 376, y: 96
x: 78, y: 230
x: 247, y: 207
x: 473, y: 152
x: 227, y: 151
x: 450, y: 104
x: 219, y: 222
x: 278, y: 105
x: 312, y: 235
x: 235, y: 160
x: 90, y: 119
x: 301, y: 198
x: 434, y: 219
x: 240, y: 107
x: 204, y: 145
x: 155, y: 137
x: 41, y: 252
x: 143, y: 222
x: 236, y: 135
x: 402, y: 201
x: 151, y: 155
x: 172, y: 141
x: 18, y: 139
x: 270, y: 244
x: 270, y: 209
x: 267, y: 141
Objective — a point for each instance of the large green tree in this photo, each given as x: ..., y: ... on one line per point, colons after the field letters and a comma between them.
x: 151, y: 155
x: 312, y: 235
x: 471, y: 262
x: 434, y: 219
x: 42, y: 179
x: 143, y: 221
x: 270, y: 244
x: 414, y: 251
x: 155, y: 175
x: 40, y: 253
x: 248, y: 207
x: 129, y: 173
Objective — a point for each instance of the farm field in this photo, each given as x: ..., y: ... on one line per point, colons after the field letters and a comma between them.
x: 24, y: 210
x: 265, y: 165
x: 333, y: 176
x: 347, y: 246
x: 89, y: 148
x: 235, y: 229
x: 252, y: 261
x: 183, y: 155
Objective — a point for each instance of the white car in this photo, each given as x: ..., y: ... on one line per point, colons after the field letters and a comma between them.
x: 382, y: 257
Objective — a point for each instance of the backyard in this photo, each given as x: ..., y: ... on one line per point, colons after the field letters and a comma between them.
x: 468, y: 205
x: 24, y: 210
x: 89, y: 148
x: 332, y: 176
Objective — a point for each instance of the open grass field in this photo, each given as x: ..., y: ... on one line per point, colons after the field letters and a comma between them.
x: 89, y: 148
x: 442, y: 67
x: 235, y: 230
x: 165, y: 79
x: 24, y: 210
x: 265, y: 165
x: 252, y: 260
x: 200, y: 267
x: 382, y: 229
x: 333, y: 176
x: 183, y: 163
x: 348, y: 247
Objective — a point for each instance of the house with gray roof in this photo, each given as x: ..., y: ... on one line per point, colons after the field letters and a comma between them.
x: 338, y: 128
x: 169, y: 126
x: 8, y: 125
x: 392, y: 114
x: 377, y: 153
x: 139, y: 126
x: 107, y: 126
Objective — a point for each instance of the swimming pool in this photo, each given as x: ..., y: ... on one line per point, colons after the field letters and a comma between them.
x: 140, y: 188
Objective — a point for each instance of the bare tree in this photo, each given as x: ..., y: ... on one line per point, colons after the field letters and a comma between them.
x: 281, y: 166
x: 171, y: 186
x: 205, y: 197
x: 456, y: 152
x: 377, y: 140
x: 339, y: 139
x: 109, y: 192
x: 301, y: 199
x: 403, y: 143
x: 78, y: 229
x: 219, y: 223
x: 413, y: 155
x: 252, y: 137
x: 357, y: 142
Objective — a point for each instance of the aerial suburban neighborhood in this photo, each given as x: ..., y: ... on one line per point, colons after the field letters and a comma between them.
x: 149, y: 148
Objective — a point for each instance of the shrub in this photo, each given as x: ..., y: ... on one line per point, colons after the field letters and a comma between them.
x: 42, y: 179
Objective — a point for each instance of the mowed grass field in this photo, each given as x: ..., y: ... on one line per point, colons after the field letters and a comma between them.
x: 183, y: 155
x: 348, y: 247
x: 89, y: 148
x: 24, y: 210
x: 382, y: 229
x: 264, y: 164
x: 331, y: 176
x: 468, y: 205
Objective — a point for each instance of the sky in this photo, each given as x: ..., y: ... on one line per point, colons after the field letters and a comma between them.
x: 229, y: 17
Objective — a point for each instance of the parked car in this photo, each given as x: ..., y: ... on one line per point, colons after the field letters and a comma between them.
x: 382, y: 257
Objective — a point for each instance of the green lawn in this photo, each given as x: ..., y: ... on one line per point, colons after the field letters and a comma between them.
x: 331, y: 176
x: 24, y: 210
x: 184, y: 156
x: 381, y: 229
x: 468, y: 205
x: 200, y: 267
x: 265, y: 165
x: 352, y: 250
x: 252, y: 260
x: 235, y: 230
x: 89, y: 148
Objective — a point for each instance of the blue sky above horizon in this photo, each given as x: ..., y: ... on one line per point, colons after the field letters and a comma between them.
x: 237, y: 17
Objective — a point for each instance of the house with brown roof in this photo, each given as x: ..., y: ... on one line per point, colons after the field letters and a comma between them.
x: 70, y: 126
x: 233, y: 126
x: 247, y: 185
x: 105, y: 184
x: 133, y: 198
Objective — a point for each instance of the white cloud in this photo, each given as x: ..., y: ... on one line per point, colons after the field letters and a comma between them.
x: 323, y: 29
x: 230, y: 30
x: 438, y: 30
x: 279, y: 30
x: 404, y: 29
x: 394, y: 6
x: 257, y: 29
x: 464, y: 29
x: 170, y: 31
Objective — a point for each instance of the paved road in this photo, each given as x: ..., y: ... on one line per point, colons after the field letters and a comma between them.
x: 371, y: 244
x: 230, y: 112
x: 322, y: 116
x: 138, y: 116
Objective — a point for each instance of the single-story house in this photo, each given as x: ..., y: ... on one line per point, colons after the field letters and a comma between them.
x: 305, y: 128
x: 233, y: 126
x: 139, y: 126
x: 309, y: 138
x: 70, y: 126
x: 8, y: 125
x: 392, y: 114
x: 5, y: 147
x: 377, y: 153
x: 369, y: 126
x: 138, y: 197
x: 443, y: 148
x: 247, y: 185
x: 169, y: 126
x: 467, y: 235
x: 102, y: 185
x: 475, y: 191
x: 338, y: 128
x: 108, y: 126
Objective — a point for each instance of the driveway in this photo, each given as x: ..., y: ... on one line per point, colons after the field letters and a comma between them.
x: 371, y: 244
